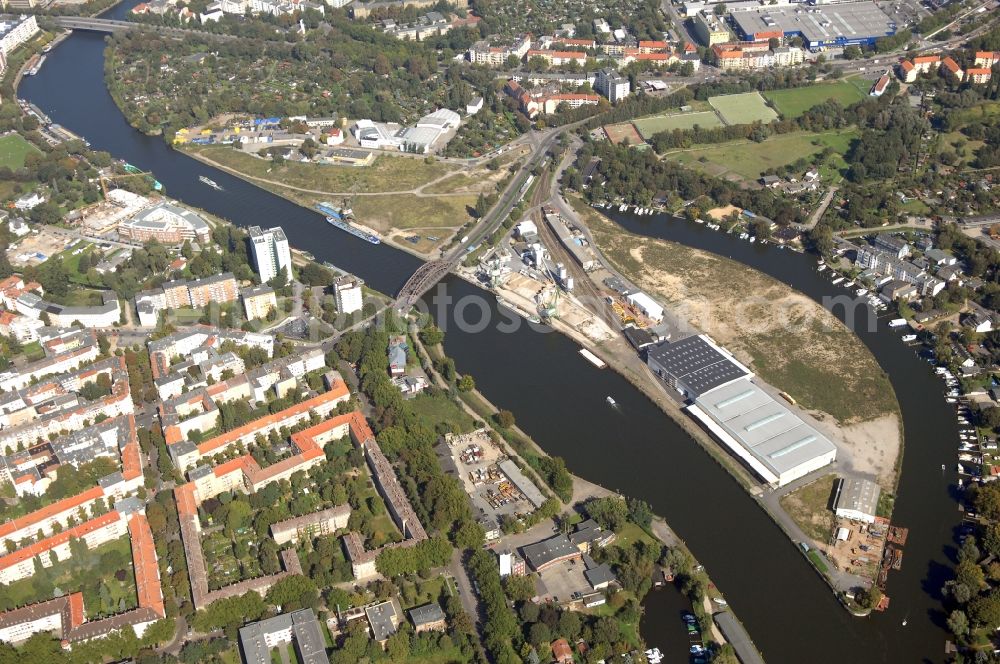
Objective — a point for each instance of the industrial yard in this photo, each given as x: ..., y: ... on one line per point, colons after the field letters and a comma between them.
x: 494, y: 483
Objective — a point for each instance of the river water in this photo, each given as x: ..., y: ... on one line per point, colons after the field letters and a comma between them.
x: 559, y: 398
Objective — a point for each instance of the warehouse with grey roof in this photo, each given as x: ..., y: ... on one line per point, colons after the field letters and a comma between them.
x: 835, y: 25
x: 694, y: 365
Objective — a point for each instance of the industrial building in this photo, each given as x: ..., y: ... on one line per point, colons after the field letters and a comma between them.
x: 856, y: 499
x: 695, y: 365
x: 820, y: 26
x: 764, y: 434
x: 768, y: 437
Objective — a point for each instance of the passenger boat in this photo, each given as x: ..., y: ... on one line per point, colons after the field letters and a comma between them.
x: 210, y: 182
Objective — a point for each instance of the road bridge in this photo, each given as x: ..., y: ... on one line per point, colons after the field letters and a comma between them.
x: 112, y: 26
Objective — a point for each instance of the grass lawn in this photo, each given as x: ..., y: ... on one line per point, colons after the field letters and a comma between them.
x: 658, y: 123
x: 386, y: 174
x: 95, y: 575
x: 794, y: 102
x: 750, y: 160
x: 743, y: 108
x: 79, y: 297
x: 439, y: 408
x: 33, y: 351
x: 818, y: 561
x: 633, y: 533
x: 809, y: 506
x: 422, y: 592
x: 13, y: 149
x: 408, y: 211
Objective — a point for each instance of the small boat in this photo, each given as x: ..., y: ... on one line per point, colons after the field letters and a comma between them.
x: 821, y: 267
x: 210, y: 182
x: 611, y: 402
x: 942, y: 466
x: 654, y: 656
x: 837, y: 281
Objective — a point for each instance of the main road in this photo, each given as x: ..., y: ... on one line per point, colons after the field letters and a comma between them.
x: 428, y: 274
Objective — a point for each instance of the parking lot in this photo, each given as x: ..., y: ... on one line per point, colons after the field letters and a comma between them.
x: 904, y: 12
x: 563, y: 582
x: 475, y: 457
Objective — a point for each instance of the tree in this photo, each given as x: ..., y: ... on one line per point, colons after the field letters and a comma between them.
x: 970, y: 574
x: 958, y: 623
x: 986, y: 610
x: 519, y: 588
x: 466, y: 383
x: 293, y: 591
x: 868, y: 598
x: 505, y: 419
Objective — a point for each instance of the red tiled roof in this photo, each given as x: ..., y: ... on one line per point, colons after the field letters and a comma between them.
x: 950, y: 65
x: 906, y: 65
x: 337, y: 391
x: 58, y: 539
x: 652, y: 44
x: 58, y: 507
x: 926, y: 59
x: 147, y: 571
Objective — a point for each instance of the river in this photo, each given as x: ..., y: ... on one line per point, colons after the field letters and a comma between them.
x: 559, y: 398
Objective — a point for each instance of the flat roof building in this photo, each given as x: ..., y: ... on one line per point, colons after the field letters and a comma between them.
x: 837, y: 25
x: 695, y: 365
x: 523, y: 484
x: 299, y: 627
x: 165, y: 223
x: 856, y: 499
x: 546, y: 553
x: 768, y: 437
x: 383, y: 619
x: 428, y: 617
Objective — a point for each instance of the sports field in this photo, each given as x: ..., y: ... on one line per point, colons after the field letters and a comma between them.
x: 794, y: 102
x: 748, y: 160
x: 657, y: 123
x: 743, y: 108
x: 13, y: 149
x: 623, y: 132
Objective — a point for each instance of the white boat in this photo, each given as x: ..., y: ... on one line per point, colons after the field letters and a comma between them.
x: 210, y: 182
x: 611, y: 402
x: 752, y: 240
x: 654, y: 656
x: 861, y: 291
x: 821, y: 267
x: 907, y: 338
x: 699, y: 221
x: 837, y: 281
x: 623, y: 207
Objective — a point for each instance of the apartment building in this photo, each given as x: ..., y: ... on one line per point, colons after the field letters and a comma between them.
x: 258, y: 302
x: 559, y: 58
x: 349, y: 294
x: 612, y: 85
x: 485, y: 53
x: 909, y: 70
x: 166, y: 223
x: 710, y: 29
x: 181, y: 293
x: 16, y: 31
x: 269, y: 252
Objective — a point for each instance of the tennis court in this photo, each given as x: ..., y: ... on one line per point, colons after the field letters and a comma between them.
x: 744, y: 108
x: 657, y: 123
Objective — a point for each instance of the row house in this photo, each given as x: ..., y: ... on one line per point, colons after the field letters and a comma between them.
x: 559, y: 58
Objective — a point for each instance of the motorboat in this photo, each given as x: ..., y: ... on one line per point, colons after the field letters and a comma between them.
x: 611, y: 402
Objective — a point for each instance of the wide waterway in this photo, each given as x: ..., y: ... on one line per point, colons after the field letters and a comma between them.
x: 559, y: 398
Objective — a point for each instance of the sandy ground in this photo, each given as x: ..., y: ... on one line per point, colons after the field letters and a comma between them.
x: 873, y: 445
x: 520, y: 290
x: 722, y: 212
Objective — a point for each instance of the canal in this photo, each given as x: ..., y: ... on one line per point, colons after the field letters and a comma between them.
x: 559, y: 398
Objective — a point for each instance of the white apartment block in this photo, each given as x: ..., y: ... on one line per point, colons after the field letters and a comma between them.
x: 16, y: 32
x: 349, y: 294
x: 270, y: 252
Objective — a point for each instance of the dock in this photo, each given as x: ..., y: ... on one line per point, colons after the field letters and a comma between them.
x: 593, y: 359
